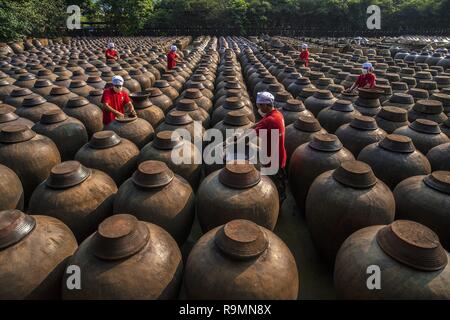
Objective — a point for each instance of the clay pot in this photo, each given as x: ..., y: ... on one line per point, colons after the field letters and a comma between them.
x: 427, y: 109
x: 34, y: 251
x: 319, y: 101
x: 137, y: 130
x: 350, y: 188
x: 96, y: 83
x: 6, y: 89
x: 196, y: 113
x: 391, y: 118
x: 242, y: 248
x: 165, y: 147
x: 90, y: 115
x: 145, y: 196
x: 425, y: 134
x: 146, y: 110
x: 165, y: 88
x: 8, y: 117
x: 141, y: 259
x: 425, y: 199
x: 42, y: 87
x: 25, y: 81
x: 80, y: 88
x: 292, y: 110
x: 324, y: 152
x: 30, y: 155
x: 34, y: 106
x: 340, y: 113
x: 78, y: 196
x: 199, y: 98
x: 394, y: 159
x: 10, y: 189
x: 68, y: 133
x: 144, y: 80
x: 401, y: 100
x: 176, y: 119
x: 404, y: 250
x: 60, y: 96
x: 224, y: 195
x: 444, y: 98
x: 16, y: 97
x: 438, y: 157
x: 231, y: 104
x: 233, y: 121
x: 368, y: 102
x: 160, y: 100
x: 95, y: 97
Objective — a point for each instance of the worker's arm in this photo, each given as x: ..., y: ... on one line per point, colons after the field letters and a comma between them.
x: 130, y: 108
x: 107, y: 107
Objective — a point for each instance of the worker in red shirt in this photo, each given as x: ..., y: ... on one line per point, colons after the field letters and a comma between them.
x: 366, y: 80
x: 172, y: 58
x: 111, y: 53
x: 115, y: 101
x: 304, y: 54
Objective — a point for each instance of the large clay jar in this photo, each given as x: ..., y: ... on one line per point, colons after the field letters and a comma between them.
x: 238, y: 191
x: 146, y: 110
x: 137, y: 130
x: 10, y: 189
x: 89, y: 114
x: 231, y: 104
x: 394, y: 159
x: 95, y: 97
x: 169, y: 148
x: 197, y: 114
x: 234, y: 120
x: 80, y: 88
x: 17, y: 96
x: 391, y: 118
x: 31, y: 156
x: 78, y: 196
x: 324, y: 152
x: 439, y: 157
x: 60, y: 96
x: 426, y: 199
x: 199, y: 98
x: 68, y: 133
x: 33, y: 254
x: 9, y: 117
x: 127, y: 259
x: 320, y: 100
x: 368, y: 102
x: 427, y: 109
x: 341, y: 112
x: 360, y: 132
x: 108, y: 152
x: 159, y: 99
x: 155, y: 194
x: 240, y: 260
x: 6, y: 89
x: 292, y: 110
x: 34, y: 107
x: 354, y: 199
x: 403, y: 251
x: 42, y: 87
x: 424, y: 133
x: 176, y: 119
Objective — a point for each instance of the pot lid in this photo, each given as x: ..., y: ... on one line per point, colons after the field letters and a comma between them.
x: 7, y: 113
x: 294, y: 105
x: 196, y: 85
x: 161, y: 84
x: 343, y: 106
x: 394, y: 114
x: 323, y: 94
x: 325, y: 142
x: 355, y: 174
x: 56, y: 91
x: 42, y: 83
x: 370, y: 93
x: 192, y: 93
x: 241, y: 239
x: 33, y: 100
x: 14, y: 226
x: 167, y: 140
x: 425, y: 126
x: 77, y: 84
x: 233, y: 93
x: 236, y: 118
x: 76, y: 102
x: 152, y: 174
x: 67, y: 174
x: 26, y: 77
x: 187, y: 105
x: 412, y: 244
x: 120, y: 236
x: 402, y: 98
x: 397, y: 143
x: 20, y: 92
x: 307, y: 123
x: 104, y: 139
x: 16, y: 133
x: 282, y: 96
x: 94, y: 79
x: 439, y: 180
x: 178, y: 118
x: 233, y: 103
x: 54, y: 116
x: 126, y: 119
x: 239, y: 175
x: 232, y: 85
x: 364, y: 123
x: 429, y: 106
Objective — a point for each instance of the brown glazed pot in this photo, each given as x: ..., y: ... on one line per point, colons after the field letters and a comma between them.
x: 196, y: 113
x: 42, y: 87
x: 10, y: 189
x: 80, y: 88
x: 146, y: 196
x: 231, y: 104
x: 9, y: 117
x: 6, y: 89
x: 360, y: 132
x: 34, y: 107
x: 95, y: 97
x: 352, y: 188
x: 391, y: 118
x: 394, y: 159
x: 426, y: 199
x: 137, y: 130
x: 164, y: 148
x: 89, y: 114
x: 237, y: 191
x: 159, y: 99
x: 403, y: 251
x: 78, y: 196
x: 424, y: 133
x: 176, y: 119
x: 68, y: 133
x: 439, y: 157
x: 127, y: 259
x: 324, y: 152
x: 17, y: 96
x: 146, y: 110
x: 292, y: 110
x: 33, y: 255
x: 60, y: 96
x: 240, y: 260
x: 165, y: 88
x: 234, y: 120
x: 368, y: 102
x: 340, y: 113
x: 427, y: 109
x: 320, y: 100
x: 31, y: 156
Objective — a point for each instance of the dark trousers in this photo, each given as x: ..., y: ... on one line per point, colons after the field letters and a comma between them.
x: 280, y: 182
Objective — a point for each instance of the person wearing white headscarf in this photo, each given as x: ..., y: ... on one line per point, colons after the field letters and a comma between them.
x: 365, y: 80
x: 172, y: 58
x: 304, y: 54
x: 111, y: 53
x: 115, y: 101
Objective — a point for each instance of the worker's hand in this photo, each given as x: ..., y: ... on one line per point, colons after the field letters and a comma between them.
x: 132, y: 113
x: 119, y: 115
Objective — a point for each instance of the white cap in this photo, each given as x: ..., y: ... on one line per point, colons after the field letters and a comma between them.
x: 367, y: 65
x: 173, y: 48
x: 111, y: 45
x: 304, y: 46
x: 117, y: 81
x: 264, y: 98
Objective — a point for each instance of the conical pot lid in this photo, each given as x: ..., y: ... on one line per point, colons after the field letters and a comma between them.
x: 429, y: 106
x: 394, y: 114
x: 152, y: 174
x: 14, y: 226
x: 439, y: 180
x: 343, y: 106
x: 294, y: 105
x: 67, y: 174
x: 187, y: 105
x: 364, y: 123
x: 192, y: 93
x: 51, y: 117
x: 104, y: 139
x: 239, y: 175
x: 7, y: 113
x: 236, y: 118
x: 325, y: 142
x: 16, y: 133
x: 397, y: 143
x: 307, y: 123
x: 355, y: 174
x: 425, y: 126
x: 178, y: 118
x: 167, y: 140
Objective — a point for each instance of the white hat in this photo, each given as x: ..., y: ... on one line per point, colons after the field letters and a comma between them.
x: 111, y: 45
x: 117, y: 81
x: 173, y: 48
x: 304, y: 46
x: 367, y: 65
x: 264, y: 98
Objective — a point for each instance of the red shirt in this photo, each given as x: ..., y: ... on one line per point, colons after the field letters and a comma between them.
x: 366, y: 79
x: 115, y: 100
x: 304, y: 55
x: 274, y: 120
x: 110, y: 54
x: 171, y: 62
